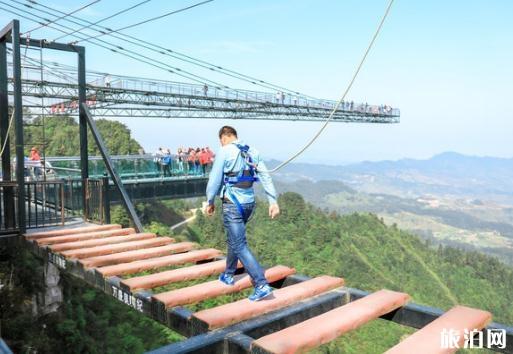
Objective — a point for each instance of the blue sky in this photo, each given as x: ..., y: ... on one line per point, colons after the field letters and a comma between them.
x: 445, y: 64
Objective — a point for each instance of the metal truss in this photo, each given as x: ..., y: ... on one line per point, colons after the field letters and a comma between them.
x: 177, y: 100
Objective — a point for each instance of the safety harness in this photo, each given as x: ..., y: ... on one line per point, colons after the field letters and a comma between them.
x: 241, y: 179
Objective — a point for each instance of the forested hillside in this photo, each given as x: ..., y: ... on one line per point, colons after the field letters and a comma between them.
x: 371, y: 256
x: 62, y: 137
x: 472, y: 224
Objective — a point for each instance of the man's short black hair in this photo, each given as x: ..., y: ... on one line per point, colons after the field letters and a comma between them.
x: 227, y: 130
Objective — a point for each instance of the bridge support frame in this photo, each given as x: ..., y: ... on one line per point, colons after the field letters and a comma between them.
x: 112, y: 171
x: 11, y: 34
x: 8, y: 205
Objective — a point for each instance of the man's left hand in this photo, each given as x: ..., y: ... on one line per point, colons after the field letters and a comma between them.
x: 211, y: 208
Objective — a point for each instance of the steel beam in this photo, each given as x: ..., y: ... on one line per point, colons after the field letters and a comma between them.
x: 110, y: 167
x: 8, y: 200
x: 84, y: 164
x: 63, y: 47
x: 18, y: 124
x: 6, y: 32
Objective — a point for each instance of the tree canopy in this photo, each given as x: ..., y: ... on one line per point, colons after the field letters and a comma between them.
x: 61, y: 135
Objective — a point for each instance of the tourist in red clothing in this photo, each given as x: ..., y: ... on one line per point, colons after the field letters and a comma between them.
x: 203, y: 159
x: 34, y: 155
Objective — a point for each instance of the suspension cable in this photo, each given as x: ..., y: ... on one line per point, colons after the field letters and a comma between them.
x: 146, y: 21
x: 351, y: 82
x: 181, y: 56
x: 117, y: 49
x: 61, y: 17
x: 102, y: 20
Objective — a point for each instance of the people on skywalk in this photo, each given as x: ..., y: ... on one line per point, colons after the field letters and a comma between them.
x: 157, y: 160
x: 107, y: 80
x: 191, y: 156
x: 203, y: 159
x: 235, y: 168
x: 166, y: 163
x: 180, y: 158
x: 211, y: 157
x: 197, y: 164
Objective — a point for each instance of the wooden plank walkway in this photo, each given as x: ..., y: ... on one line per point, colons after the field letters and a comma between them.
x: 101, y: 254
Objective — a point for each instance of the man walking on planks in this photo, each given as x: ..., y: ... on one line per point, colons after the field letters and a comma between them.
x: 236, y: 168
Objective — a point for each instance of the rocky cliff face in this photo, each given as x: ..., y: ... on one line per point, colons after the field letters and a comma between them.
x: 50, y: 299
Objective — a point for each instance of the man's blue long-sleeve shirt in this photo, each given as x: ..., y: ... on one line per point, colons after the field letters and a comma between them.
x: 229, y: 159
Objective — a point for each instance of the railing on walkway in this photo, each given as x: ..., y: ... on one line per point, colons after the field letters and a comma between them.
x: 127, y: 166
x: 45, y: 205
x: 49, y: 203
x: 98, y: 201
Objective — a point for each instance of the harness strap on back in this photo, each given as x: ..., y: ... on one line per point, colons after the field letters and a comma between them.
x: 244, y: 179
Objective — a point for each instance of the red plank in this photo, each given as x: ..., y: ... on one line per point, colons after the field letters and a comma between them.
x: 330, y: 325
x: 82, y: 237
x: 136, y: 255
x: 216, y: 288
x: 116, y: 248
x: 228, y: 314
x: 428, y: 339
x: 176, y: 275
x: 100, y: 242
x: 175, y: 259
x: 71, y: 231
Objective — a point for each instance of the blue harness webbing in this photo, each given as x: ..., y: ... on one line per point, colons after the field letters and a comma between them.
x: 244, y: 179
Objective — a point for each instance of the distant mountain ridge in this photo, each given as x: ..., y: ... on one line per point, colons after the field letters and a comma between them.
x: 448, y: 173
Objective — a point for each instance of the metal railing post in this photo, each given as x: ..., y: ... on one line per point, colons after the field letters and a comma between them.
x: 106, y: 199
x: 85, y: 186
x: 62, y: 204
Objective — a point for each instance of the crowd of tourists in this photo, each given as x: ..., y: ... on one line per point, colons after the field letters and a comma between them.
x: 189, y: 161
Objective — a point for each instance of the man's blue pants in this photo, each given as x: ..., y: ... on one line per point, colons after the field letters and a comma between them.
x: 237, y: 245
